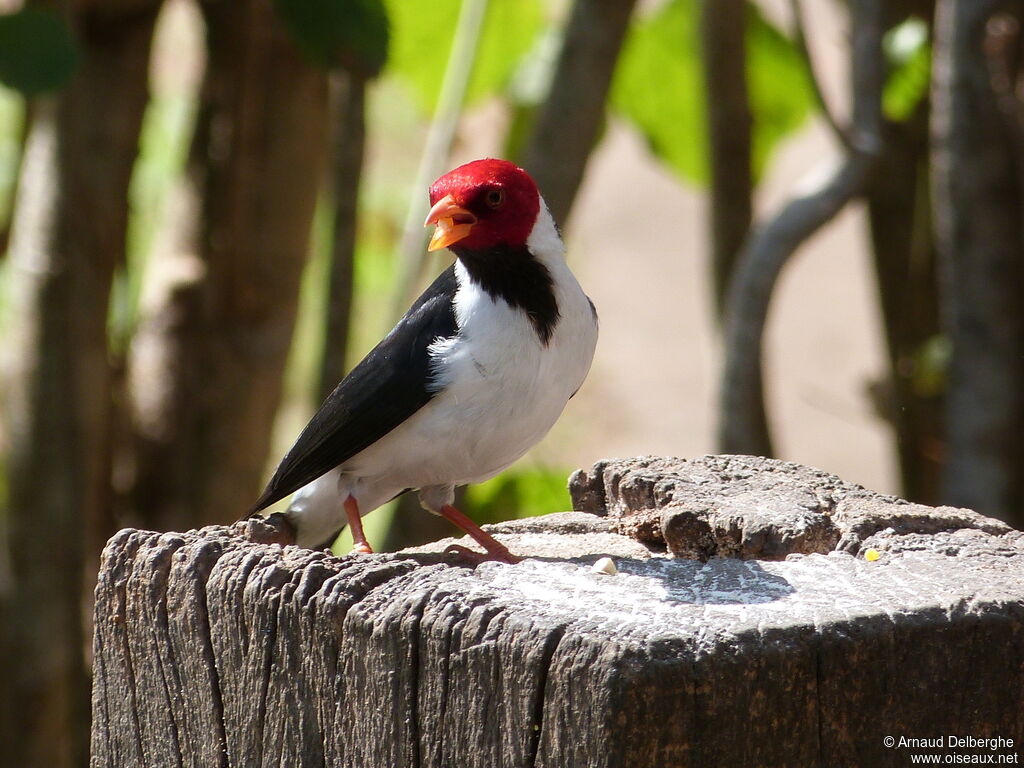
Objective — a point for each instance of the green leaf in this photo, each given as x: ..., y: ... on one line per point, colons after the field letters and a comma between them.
x: 909, y: 56
x: 422, y: 34
x: 37, y: 50
x: 349, y: 33
x: 659, y: 87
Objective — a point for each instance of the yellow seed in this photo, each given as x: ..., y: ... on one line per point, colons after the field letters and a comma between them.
x: 871, y: 555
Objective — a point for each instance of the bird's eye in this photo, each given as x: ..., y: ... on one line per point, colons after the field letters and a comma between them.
x: 495, y: 198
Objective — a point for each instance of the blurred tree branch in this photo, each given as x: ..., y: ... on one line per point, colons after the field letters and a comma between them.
x: 742, y: 427
x: 436, y: 148
x: 349, y: 102
x: 978, y: 201
x: 6, y: 217
x: 724, y: 53
x: 571, y: 118
x: 800, y: 38
x: 68, y: 235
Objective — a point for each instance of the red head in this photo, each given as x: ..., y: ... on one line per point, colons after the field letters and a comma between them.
x: 483, y: 204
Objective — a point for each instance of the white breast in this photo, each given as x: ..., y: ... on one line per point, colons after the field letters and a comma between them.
x: 501, y: 384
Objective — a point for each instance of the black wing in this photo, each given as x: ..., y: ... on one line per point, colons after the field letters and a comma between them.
x: 386, y: 388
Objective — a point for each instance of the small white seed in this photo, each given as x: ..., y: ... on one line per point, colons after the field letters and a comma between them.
x: 605, y: 565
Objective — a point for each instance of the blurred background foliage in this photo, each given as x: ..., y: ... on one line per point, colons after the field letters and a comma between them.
x: 193, y: 253
x: 659, y: 87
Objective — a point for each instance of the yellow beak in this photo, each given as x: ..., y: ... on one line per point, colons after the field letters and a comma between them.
x: 453, y: 223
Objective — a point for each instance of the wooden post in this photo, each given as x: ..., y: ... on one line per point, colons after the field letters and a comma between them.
x: 746, y: 626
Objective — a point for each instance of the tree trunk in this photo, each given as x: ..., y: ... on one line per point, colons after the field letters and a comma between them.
x: 68, y: 236
x: 904, y: 252
x: 979, y: 233
x: 259, y: 159
x: 724, y: 53
x: 563, y: 137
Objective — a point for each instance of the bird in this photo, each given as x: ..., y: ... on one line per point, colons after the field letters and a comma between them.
x: 472, y: 376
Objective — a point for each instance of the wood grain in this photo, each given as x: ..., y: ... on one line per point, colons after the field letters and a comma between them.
x: 214, y: 650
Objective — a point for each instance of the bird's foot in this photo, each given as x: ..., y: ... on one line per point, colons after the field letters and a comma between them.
x: 360, y: 546
x: 466, y: 556
x: 273, y: 529
x: 494, y: 548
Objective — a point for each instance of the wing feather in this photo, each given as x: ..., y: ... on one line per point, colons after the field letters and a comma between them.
x: 390, y: 384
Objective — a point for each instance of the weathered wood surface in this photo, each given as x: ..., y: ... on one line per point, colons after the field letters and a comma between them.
x: 211, y: 650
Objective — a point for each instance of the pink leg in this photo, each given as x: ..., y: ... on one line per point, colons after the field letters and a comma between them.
x: 355, y: 522
x: 495, y: 549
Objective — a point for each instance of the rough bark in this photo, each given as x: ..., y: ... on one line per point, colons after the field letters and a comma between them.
x: 348, y: 99
x: 743, y: 426
x: 568, y: 124
x: 67, y: 238
x: 978, y: 226
x: 213, y: 650
x: 724, y: 55
x: 262, y: 138
x: 759, y: 509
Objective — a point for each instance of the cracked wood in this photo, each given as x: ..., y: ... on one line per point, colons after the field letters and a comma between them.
x: 213, y: 650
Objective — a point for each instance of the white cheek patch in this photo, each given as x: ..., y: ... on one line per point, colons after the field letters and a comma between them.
x: 544, y: 241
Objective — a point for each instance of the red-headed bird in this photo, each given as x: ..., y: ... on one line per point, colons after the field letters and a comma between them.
x: 476, y: 372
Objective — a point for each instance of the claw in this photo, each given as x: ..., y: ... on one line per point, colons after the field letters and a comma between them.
x: 472, y: 558
x: 495, y: 549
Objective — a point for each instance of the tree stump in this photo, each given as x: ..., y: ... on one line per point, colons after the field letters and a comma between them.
x: 748, y: 624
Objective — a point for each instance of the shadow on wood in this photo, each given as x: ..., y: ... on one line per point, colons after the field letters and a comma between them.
x: 795, y: 650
